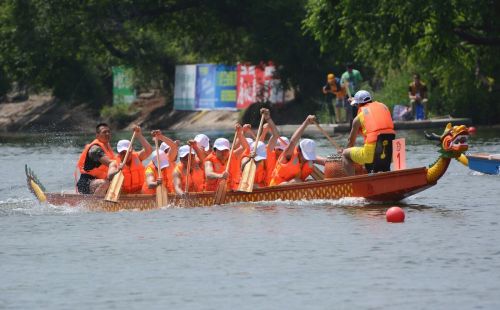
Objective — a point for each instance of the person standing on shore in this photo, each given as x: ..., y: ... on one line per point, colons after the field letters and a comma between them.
x: 334, y: 87
x: 94, y: 162
x: 351, y: 79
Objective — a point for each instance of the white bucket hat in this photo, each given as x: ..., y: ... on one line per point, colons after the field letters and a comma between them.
x: 261, y: 150
x: 280, y: 145
x: 362, y: 96
x: 203, y: 141
x: 164, y: 147
x: 184, y: 150
x: 308, y: 148
x: 122, y: 145
x: 221, y: 144
x: 163, y: 160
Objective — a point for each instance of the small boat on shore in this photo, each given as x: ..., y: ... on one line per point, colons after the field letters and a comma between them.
x: 383, y: 186
x: 484, y: 163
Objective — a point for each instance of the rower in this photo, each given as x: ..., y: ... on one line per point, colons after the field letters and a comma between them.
x: 203, y: 143
x: 94, y: 161
x: 152, y: 180
x: 296, y: 162
x: 215, y: 163
x: 133, y: 170
x: 196, y: 179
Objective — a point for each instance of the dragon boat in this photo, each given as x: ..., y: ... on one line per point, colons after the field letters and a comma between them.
x: 387, y: 186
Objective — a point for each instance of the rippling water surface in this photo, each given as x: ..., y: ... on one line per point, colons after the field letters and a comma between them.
x: 335, y: 254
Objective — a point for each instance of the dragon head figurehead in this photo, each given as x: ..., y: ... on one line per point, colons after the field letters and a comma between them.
x: 453, y: 141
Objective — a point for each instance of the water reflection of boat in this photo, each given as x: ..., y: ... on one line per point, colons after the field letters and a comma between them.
x: 484, y: 163
x: 382, y: 186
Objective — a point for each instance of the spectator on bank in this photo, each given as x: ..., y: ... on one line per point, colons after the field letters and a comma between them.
x: 333, y: 87
x: 417, y: 92
x: 351, y: 79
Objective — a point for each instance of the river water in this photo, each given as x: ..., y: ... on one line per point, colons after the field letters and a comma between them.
x: 336, y: 254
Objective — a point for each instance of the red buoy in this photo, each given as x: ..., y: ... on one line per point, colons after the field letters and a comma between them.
x: 472, y: 130
x: 395, y: 215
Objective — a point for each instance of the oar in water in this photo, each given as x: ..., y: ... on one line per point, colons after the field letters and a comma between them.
x: 248, y: 175
x: 115, y: 187
x: 161, y: 191
x: 220, y: 193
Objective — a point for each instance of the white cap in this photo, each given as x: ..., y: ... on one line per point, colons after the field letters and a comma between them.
x: 308, y: 148
x: 362, y: 96
x: 203, y: 141
x: 249, y: 140
x: 122, y: 145
x: 280, y: 145
x: 184, y: 150
x: 222, y: 144
x: 163, y: 160
x: 164, y: 147
x: 261, y: 150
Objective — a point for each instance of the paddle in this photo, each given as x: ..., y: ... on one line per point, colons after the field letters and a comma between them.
x: 161, y: 191
x: 188, y: 170
x: 327, y: 136
x: 115, y: 187
x: 220, y: 193
x: 248, y: 175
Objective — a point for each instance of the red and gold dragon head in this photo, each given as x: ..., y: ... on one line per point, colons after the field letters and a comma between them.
x: 453, y: 141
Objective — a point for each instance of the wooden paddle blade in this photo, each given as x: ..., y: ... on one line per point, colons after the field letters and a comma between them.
x: 317, y: 174
x: 248, y: 177
x: 161, y: 196
x: 220, y: 193
x: 115, y: 188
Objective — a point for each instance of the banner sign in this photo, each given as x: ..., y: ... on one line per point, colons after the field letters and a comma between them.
x: 222, y: 87
x: 225, y: 87
x: 246, y: 87
x: 185, y: 87
x: 123, y: 85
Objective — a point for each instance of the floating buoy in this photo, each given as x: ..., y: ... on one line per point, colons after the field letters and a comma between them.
x: 395, y: 215
x: 472, y: 130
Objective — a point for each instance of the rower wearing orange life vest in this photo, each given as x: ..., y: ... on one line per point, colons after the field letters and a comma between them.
x: 373, y: 118
x: 203, y: 144
x: 264, y: 153
x: 133, y: 170
x: 170, y: 148
x: 215, y: 163
x: 296, y: 163
x: 94, y: 161
x: 152, y: 180
x: 196, y: 179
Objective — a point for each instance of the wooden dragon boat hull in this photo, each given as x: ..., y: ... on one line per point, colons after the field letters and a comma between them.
x: 383, y: 186
x: 484, y: 163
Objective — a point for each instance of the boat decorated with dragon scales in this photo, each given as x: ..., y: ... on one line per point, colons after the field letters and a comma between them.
x: 383, y: 186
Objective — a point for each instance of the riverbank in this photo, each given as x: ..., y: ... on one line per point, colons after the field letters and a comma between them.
x: 44, y: 113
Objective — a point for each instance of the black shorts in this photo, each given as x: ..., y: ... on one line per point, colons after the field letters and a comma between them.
x: 83, y: 184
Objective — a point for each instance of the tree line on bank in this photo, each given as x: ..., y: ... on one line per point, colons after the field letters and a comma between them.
x: 69, y: 47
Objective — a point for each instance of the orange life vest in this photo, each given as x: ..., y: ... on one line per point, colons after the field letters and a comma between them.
x: 133, y: 174
x: 235, y: 170
x: 375, y: 119
x: 166, y: 175
x: 218, y: 167
x: 261, y: 178
x: 292, y: 169
x: 100, y: 172
x: 196, y: 176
